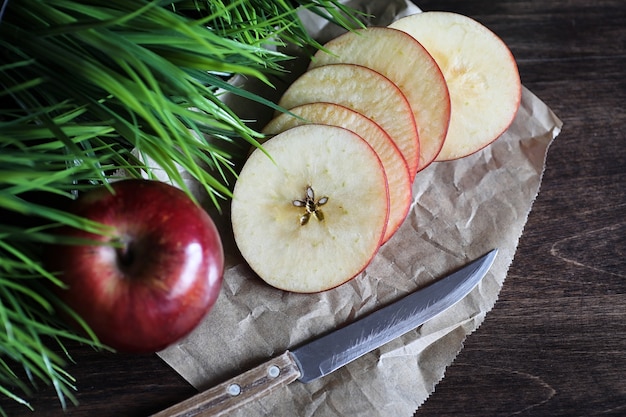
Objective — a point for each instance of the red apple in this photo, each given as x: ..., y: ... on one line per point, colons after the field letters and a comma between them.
x: 154, y: 277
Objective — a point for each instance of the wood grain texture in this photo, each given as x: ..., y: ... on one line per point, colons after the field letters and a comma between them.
x: 555, y: 343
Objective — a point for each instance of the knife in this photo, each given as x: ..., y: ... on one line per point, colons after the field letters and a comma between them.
x: 330, y: 352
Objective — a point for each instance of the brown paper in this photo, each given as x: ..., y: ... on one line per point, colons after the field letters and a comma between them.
x: 461, y: 210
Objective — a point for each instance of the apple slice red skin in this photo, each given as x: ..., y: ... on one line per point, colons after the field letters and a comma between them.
x: 347, y: 85
x: 443, y: 54
x: 411, y: 68
x: 170, y: 280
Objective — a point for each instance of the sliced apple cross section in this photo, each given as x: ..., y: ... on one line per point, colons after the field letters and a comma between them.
x: 399, y: 57
x: 396, y: 169
x: 365, y: 91
x: 481, y: 73
x: 311, y: 212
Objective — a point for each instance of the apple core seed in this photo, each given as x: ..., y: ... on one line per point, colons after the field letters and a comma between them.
x: 311, y: 206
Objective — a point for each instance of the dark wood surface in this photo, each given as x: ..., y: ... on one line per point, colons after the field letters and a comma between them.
x: 555, y: 343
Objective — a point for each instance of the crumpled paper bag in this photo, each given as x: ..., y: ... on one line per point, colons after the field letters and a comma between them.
x: 461, y: 210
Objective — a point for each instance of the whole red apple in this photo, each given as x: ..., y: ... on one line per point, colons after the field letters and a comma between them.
x: 154, y: 277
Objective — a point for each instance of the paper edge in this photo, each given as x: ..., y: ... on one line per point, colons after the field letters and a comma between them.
x: 556, y: 129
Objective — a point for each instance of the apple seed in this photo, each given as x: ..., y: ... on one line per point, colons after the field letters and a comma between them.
x: 311, y: 206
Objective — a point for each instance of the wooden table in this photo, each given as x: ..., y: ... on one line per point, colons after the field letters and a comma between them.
x: 555, y: 343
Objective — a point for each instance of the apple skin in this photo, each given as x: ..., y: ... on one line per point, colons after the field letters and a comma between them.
x: 157, y: 289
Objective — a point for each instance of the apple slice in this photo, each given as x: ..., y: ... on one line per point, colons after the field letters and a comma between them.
x: 482, y: 76
x: 399, y: 57
x: 313, y: 216
x: 396, y: 169
x: 365, y: 91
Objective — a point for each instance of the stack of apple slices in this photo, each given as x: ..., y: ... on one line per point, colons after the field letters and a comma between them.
x: 375, y: 107
x: 393, y: 163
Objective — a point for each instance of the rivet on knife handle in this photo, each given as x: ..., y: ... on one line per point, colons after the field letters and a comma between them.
x: 232, y: 394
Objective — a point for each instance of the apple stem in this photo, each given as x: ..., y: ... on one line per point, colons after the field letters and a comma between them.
x: 125, y: 254
x: 311, y: 206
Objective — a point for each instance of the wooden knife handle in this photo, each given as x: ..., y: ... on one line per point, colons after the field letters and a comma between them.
x: 249, y: 386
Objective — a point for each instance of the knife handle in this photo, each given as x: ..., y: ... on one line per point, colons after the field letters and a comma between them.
x: 237, y: 391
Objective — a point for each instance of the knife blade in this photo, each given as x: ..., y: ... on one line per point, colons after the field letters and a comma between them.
x: 336, y: 349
